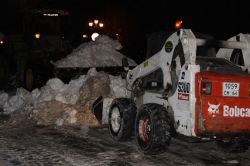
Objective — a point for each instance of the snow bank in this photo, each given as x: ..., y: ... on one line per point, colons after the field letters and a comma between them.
x: 60, y: 104
x: 54, y: 89
x: 99, y: 53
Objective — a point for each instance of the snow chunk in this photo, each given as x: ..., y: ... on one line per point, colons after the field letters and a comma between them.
x: 18, y: 101
x: 14, y: 103
x: 55, y: 84
x: 118, y: 87
x: 69, y: 116
x: 55, y: 89
x: 92, y: 72
x: 70, y: 93
x: 34, y: 95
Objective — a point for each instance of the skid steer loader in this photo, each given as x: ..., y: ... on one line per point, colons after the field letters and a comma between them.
x: 182, y: 90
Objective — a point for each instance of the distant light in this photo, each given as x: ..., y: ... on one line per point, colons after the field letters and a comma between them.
x: 101, y: 25
x: 96, y: 21
x: 50, y: 14
x: 117, y: 36
x: 178, y: 24
x: 94, y: 36
x: 91, y: 24
x: 84, y: 36
x: 37, y: 35
x: 1, y: 42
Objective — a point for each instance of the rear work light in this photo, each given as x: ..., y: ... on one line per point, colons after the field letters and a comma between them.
x: 206, y: 88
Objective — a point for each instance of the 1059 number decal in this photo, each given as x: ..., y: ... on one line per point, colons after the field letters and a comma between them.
x: 230, y: 89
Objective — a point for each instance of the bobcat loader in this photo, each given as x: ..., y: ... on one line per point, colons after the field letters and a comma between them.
x: 186, y: 89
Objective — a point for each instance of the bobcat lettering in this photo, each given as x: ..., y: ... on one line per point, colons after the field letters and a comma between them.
x: 235, y: 111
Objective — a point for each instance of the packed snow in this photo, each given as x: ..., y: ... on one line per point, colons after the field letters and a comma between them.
x: 103, y: 52
x: 65, y: 104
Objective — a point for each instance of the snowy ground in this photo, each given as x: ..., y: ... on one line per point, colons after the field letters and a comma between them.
x: 37, y: 145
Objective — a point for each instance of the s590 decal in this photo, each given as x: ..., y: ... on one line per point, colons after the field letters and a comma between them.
x: 183, y: 90
x: 183, y: 87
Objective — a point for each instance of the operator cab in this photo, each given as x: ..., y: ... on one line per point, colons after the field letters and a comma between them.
x: 220, y: 65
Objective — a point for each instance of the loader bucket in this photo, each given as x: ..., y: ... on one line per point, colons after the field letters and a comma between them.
x: 100, y: 109
x: 97, y: 109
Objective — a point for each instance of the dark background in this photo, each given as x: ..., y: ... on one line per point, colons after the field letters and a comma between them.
x: 133, y: 20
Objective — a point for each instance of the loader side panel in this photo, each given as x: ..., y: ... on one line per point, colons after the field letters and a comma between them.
x: 226, y: 109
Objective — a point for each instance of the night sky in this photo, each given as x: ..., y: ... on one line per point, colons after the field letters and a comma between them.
x: 134, y: 19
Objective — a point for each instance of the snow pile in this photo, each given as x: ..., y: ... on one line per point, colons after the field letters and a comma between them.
x: 65, y: 104
x: 99, y: 53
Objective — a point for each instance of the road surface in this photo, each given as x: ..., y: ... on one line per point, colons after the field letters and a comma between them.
x: 39, y: 145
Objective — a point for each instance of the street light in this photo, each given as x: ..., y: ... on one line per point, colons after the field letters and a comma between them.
x: 94, y: 36
x: 37, y: 36
x: 96, y: 27
x: 101, y: 25
x: 96, y: 24
x: 91, y: 24
x: 96, y: 21
x: 85, y: 36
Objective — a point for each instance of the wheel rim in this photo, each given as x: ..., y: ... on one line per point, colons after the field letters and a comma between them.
x: 115, y: 119
x: 144, y: 128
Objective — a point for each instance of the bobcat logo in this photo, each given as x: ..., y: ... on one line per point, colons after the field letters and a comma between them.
x: 213, y: 109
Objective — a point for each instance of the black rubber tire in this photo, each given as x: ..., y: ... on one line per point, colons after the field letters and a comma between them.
x: 157, y: 136
x: 127, y: 110
x: 233, y: 145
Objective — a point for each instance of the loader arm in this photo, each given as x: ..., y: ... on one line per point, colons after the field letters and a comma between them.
x: 164, y: 57
x: 243, y: 42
